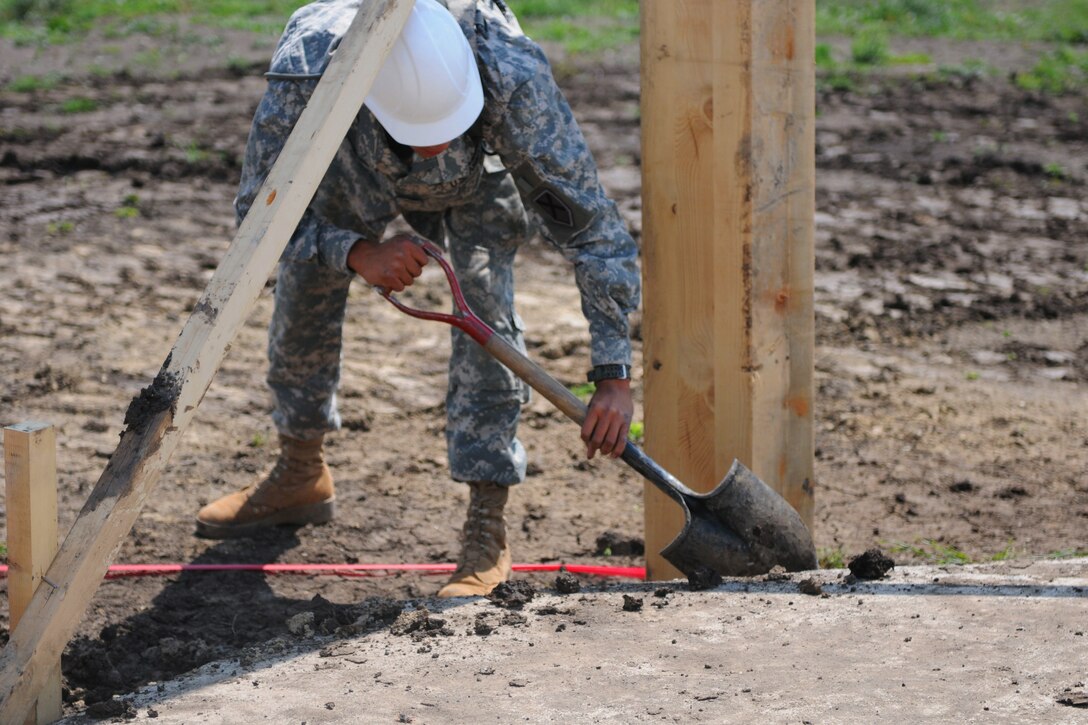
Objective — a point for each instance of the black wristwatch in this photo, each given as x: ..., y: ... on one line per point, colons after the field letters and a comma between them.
x: 609, y: 372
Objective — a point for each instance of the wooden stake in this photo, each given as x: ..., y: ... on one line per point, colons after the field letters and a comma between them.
x: 158, y: 418
x: 30, y: 466
x: 728, y: 160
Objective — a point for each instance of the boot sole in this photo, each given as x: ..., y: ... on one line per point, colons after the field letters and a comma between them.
x: 315, y: 513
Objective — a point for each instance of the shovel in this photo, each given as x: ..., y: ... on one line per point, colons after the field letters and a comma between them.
x: 741, y: 528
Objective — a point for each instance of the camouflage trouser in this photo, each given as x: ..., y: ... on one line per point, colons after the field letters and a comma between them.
x: 484, y: 398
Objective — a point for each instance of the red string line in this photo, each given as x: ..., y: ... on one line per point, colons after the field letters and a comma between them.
x: 121, y: 571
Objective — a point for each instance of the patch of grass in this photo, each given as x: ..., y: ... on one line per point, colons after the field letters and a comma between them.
x: 579, y: 25
x: 259, y: 440
x: 932, y: 552
x: 533, y: 9
x: 832, y: 558
x: 64, y: 227
x: 3, y: 551
x: 126, y: 212
x: 1048, y: 20
x: 1063, y: 70
x: 825, y: 56
x: 972, y: 375
x: 1009, y: 552
x: 1056, y: 171
x: 911, y: 59
x: 32, y: 83
x: 79, y: 105
x: 584, y: 391
x: 870, y: 46
x: 194, y: 154
x: 577, y: 36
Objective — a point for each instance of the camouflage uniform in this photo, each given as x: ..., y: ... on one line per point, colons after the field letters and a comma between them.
x: 523, y: 167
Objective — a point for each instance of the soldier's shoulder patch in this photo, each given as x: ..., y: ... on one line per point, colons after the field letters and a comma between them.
x: 562, y: 215
x: 554, y: 208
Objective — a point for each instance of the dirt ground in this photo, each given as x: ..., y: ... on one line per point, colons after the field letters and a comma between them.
x: 952, y: 360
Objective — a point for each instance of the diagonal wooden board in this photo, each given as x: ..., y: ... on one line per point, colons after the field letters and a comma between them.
x: 158, y: 417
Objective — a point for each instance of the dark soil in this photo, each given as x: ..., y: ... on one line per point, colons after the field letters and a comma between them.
x: 567, y: 584
x: 513, y: 594
x: 951, y: 363
x: 873, y: 564
x: 703, y: 578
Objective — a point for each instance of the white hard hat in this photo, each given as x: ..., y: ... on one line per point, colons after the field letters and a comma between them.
x: 428, y: 91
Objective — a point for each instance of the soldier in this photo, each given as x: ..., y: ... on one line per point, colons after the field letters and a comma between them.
x: 466, y: 135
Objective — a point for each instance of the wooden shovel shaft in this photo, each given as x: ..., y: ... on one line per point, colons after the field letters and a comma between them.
x: 576, y: 410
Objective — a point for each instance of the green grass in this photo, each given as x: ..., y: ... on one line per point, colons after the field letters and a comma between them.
x: 932, y: 552
x: 32, y: 83
x: 579, y: 25
x: 870, y: 46
x: 584, y: 391
x: 1060, y: 71
x: 62, y: 227
x: 78, y: 105
x: 831, y: 559
x: 58, y: 21
x: 1049, y: 20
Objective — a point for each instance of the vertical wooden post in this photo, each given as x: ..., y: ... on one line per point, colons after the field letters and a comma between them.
x: 30, y: 465
x: 728, y: 160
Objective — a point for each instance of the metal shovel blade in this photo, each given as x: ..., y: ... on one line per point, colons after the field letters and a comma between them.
x: 741, y: 528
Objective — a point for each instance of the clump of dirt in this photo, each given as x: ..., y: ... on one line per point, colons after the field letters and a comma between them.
x: 1072, y: 698
x: 112, y: 709
x: 777, y: 573
x: 161, y: 395
x: 566, y: 583
x: 512, y: 594
x: 482, y: 625
x: 810, y: 587
x: 419, y: 623
x: 703, y: 578
x: 613, y: 543
x: 632, y: 604
x: 873, y: 564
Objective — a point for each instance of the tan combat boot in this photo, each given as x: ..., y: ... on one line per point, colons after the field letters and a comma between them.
x: 297, y: 491
x: 485, y: 555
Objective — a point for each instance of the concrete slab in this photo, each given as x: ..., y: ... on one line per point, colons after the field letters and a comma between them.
x: 1003, y: 642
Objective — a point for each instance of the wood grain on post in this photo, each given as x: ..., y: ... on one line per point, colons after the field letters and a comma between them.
x: 157, y: 419
x: 728, y: 160
x: 30, y: 470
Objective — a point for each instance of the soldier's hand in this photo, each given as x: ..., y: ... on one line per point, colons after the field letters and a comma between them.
x: 393, y: 264
x: 608, y: 419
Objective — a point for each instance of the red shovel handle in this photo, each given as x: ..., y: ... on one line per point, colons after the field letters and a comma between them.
x: 463, y: 318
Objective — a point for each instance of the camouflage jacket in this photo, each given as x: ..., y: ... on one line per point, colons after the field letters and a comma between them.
x: 526, y: 126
